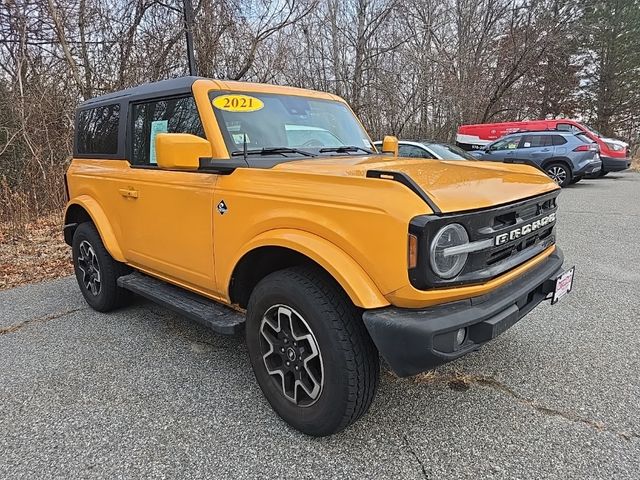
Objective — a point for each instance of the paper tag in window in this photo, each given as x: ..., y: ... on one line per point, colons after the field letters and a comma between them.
x: 159, y: 126
x: 237, y: 103
x: 238, y: 138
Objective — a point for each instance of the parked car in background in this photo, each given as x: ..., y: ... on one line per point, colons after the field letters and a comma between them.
x: 566, y: 157
x: 613, y: 152
x: 429, y: 149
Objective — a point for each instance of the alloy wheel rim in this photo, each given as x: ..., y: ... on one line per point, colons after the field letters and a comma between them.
x: 291, y: 355
x: 90, y: 268
x: 558, y: 174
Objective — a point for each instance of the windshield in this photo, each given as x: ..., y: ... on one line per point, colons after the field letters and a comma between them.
x: 449, y: 152
x: 594, y: 131
x: 273, y: 121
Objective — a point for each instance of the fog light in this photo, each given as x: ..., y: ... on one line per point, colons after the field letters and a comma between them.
x: 461, y: 335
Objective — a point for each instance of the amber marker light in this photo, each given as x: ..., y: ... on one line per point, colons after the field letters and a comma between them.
x: 412, y: 254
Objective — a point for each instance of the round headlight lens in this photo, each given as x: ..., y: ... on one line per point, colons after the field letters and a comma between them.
x: 448, y: 266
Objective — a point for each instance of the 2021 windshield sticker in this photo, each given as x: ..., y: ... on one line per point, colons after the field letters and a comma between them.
x: 237, y: 103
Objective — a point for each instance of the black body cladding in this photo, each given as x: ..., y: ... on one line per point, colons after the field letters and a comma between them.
x: 408, y: 182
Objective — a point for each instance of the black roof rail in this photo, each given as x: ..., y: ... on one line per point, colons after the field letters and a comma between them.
x: 548, y: 130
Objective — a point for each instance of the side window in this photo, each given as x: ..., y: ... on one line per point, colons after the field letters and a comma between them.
x: 97, y: 130
x: 536, y: 141
x: 176, y: 115
x: 507, y: 143
x: 413, y: 151
x: 558, y: 140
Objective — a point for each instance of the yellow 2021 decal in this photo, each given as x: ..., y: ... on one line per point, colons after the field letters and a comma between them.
x: 238, y: 103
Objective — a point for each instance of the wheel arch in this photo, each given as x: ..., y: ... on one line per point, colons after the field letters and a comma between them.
x: 276, y: 250
x: 564, y: 160
x: 83, y: 209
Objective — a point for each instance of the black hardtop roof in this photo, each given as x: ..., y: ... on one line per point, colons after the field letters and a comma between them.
x: 174, y: 86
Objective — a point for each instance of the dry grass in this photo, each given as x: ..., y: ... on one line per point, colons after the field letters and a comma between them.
x: 33, y: 252
x: 635, y: 163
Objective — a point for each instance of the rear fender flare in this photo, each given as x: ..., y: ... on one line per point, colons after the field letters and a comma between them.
x: 100, y: 220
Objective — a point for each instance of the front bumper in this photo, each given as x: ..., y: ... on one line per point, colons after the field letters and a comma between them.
x: 610, y: 164
x: 412, y: 341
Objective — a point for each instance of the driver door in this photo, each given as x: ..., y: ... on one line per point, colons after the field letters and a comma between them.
x: 502, y: 149
x: 167, y: 216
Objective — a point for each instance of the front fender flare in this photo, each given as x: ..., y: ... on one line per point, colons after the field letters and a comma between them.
x: 101, y: 222
x: 342, y: 267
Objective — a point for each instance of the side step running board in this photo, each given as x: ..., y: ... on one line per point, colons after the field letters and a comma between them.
x: 219, y: 318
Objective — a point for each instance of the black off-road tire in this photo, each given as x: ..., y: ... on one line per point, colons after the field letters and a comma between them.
x: 553, y: 170
x: 108, y: 296
x: 350, y: 361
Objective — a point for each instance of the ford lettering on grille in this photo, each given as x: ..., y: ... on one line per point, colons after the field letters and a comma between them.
x: 525, y: 229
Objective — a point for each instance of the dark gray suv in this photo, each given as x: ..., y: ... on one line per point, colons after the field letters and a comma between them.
x: 565, y: 156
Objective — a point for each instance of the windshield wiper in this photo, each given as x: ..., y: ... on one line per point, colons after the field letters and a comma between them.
x: 345, y: 149
x: 271, y: 151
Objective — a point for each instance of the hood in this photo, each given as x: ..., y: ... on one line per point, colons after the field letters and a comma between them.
x: 454, y: 186
x: 615, y: 141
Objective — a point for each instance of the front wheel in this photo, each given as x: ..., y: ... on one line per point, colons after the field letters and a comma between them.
x: 559, y: 173
x: 310, y: 351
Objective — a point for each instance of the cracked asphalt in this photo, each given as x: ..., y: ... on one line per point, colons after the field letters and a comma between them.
x: 143, y: 393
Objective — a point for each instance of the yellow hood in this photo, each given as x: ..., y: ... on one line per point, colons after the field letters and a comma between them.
x: 453, y: 186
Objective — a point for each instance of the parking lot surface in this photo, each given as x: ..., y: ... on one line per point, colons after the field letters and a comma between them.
x: 143, y: 393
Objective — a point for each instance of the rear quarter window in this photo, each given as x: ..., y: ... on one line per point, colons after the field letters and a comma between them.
x: 97, y: 130
x: 559, y: 140
x: 584, y: 138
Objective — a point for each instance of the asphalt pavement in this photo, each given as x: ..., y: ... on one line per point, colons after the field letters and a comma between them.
x: 144, y: 393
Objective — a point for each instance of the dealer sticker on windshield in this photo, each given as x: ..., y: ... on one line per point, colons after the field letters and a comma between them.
x: 237, y: 103
x: 564, y: 284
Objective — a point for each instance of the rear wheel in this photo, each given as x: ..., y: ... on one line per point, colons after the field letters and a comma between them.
x: 310, y: 351
x: 96, y: 271
x: 559, y: 173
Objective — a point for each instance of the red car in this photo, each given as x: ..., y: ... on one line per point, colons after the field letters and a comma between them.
x: 612, y: 152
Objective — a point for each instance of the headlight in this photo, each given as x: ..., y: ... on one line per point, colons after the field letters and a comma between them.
x: 614, y: 146
x: 444, y: 263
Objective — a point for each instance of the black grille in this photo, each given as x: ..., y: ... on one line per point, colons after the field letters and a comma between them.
x: 504, y: 252
x: 482, y: 225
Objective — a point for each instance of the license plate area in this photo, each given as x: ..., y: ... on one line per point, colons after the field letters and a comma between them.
x: 564, y: 284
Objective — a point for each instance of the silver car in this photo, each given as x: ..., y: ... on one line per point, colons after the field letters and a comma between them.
x: 565, y: 156
x: 428, y: 149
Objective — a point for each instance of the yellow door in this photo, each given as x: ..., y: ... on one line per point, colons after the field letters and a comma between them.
x: 168, y: 224
x: 167, y: 216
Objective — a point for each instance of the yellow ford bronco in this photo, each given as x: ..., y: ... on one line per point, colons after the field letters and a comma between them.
x: 268, y: 209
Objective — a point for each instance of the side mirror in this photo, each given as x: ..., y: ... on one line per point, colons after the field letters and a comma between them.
x: 180, y: 151
x: 390, y: 145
